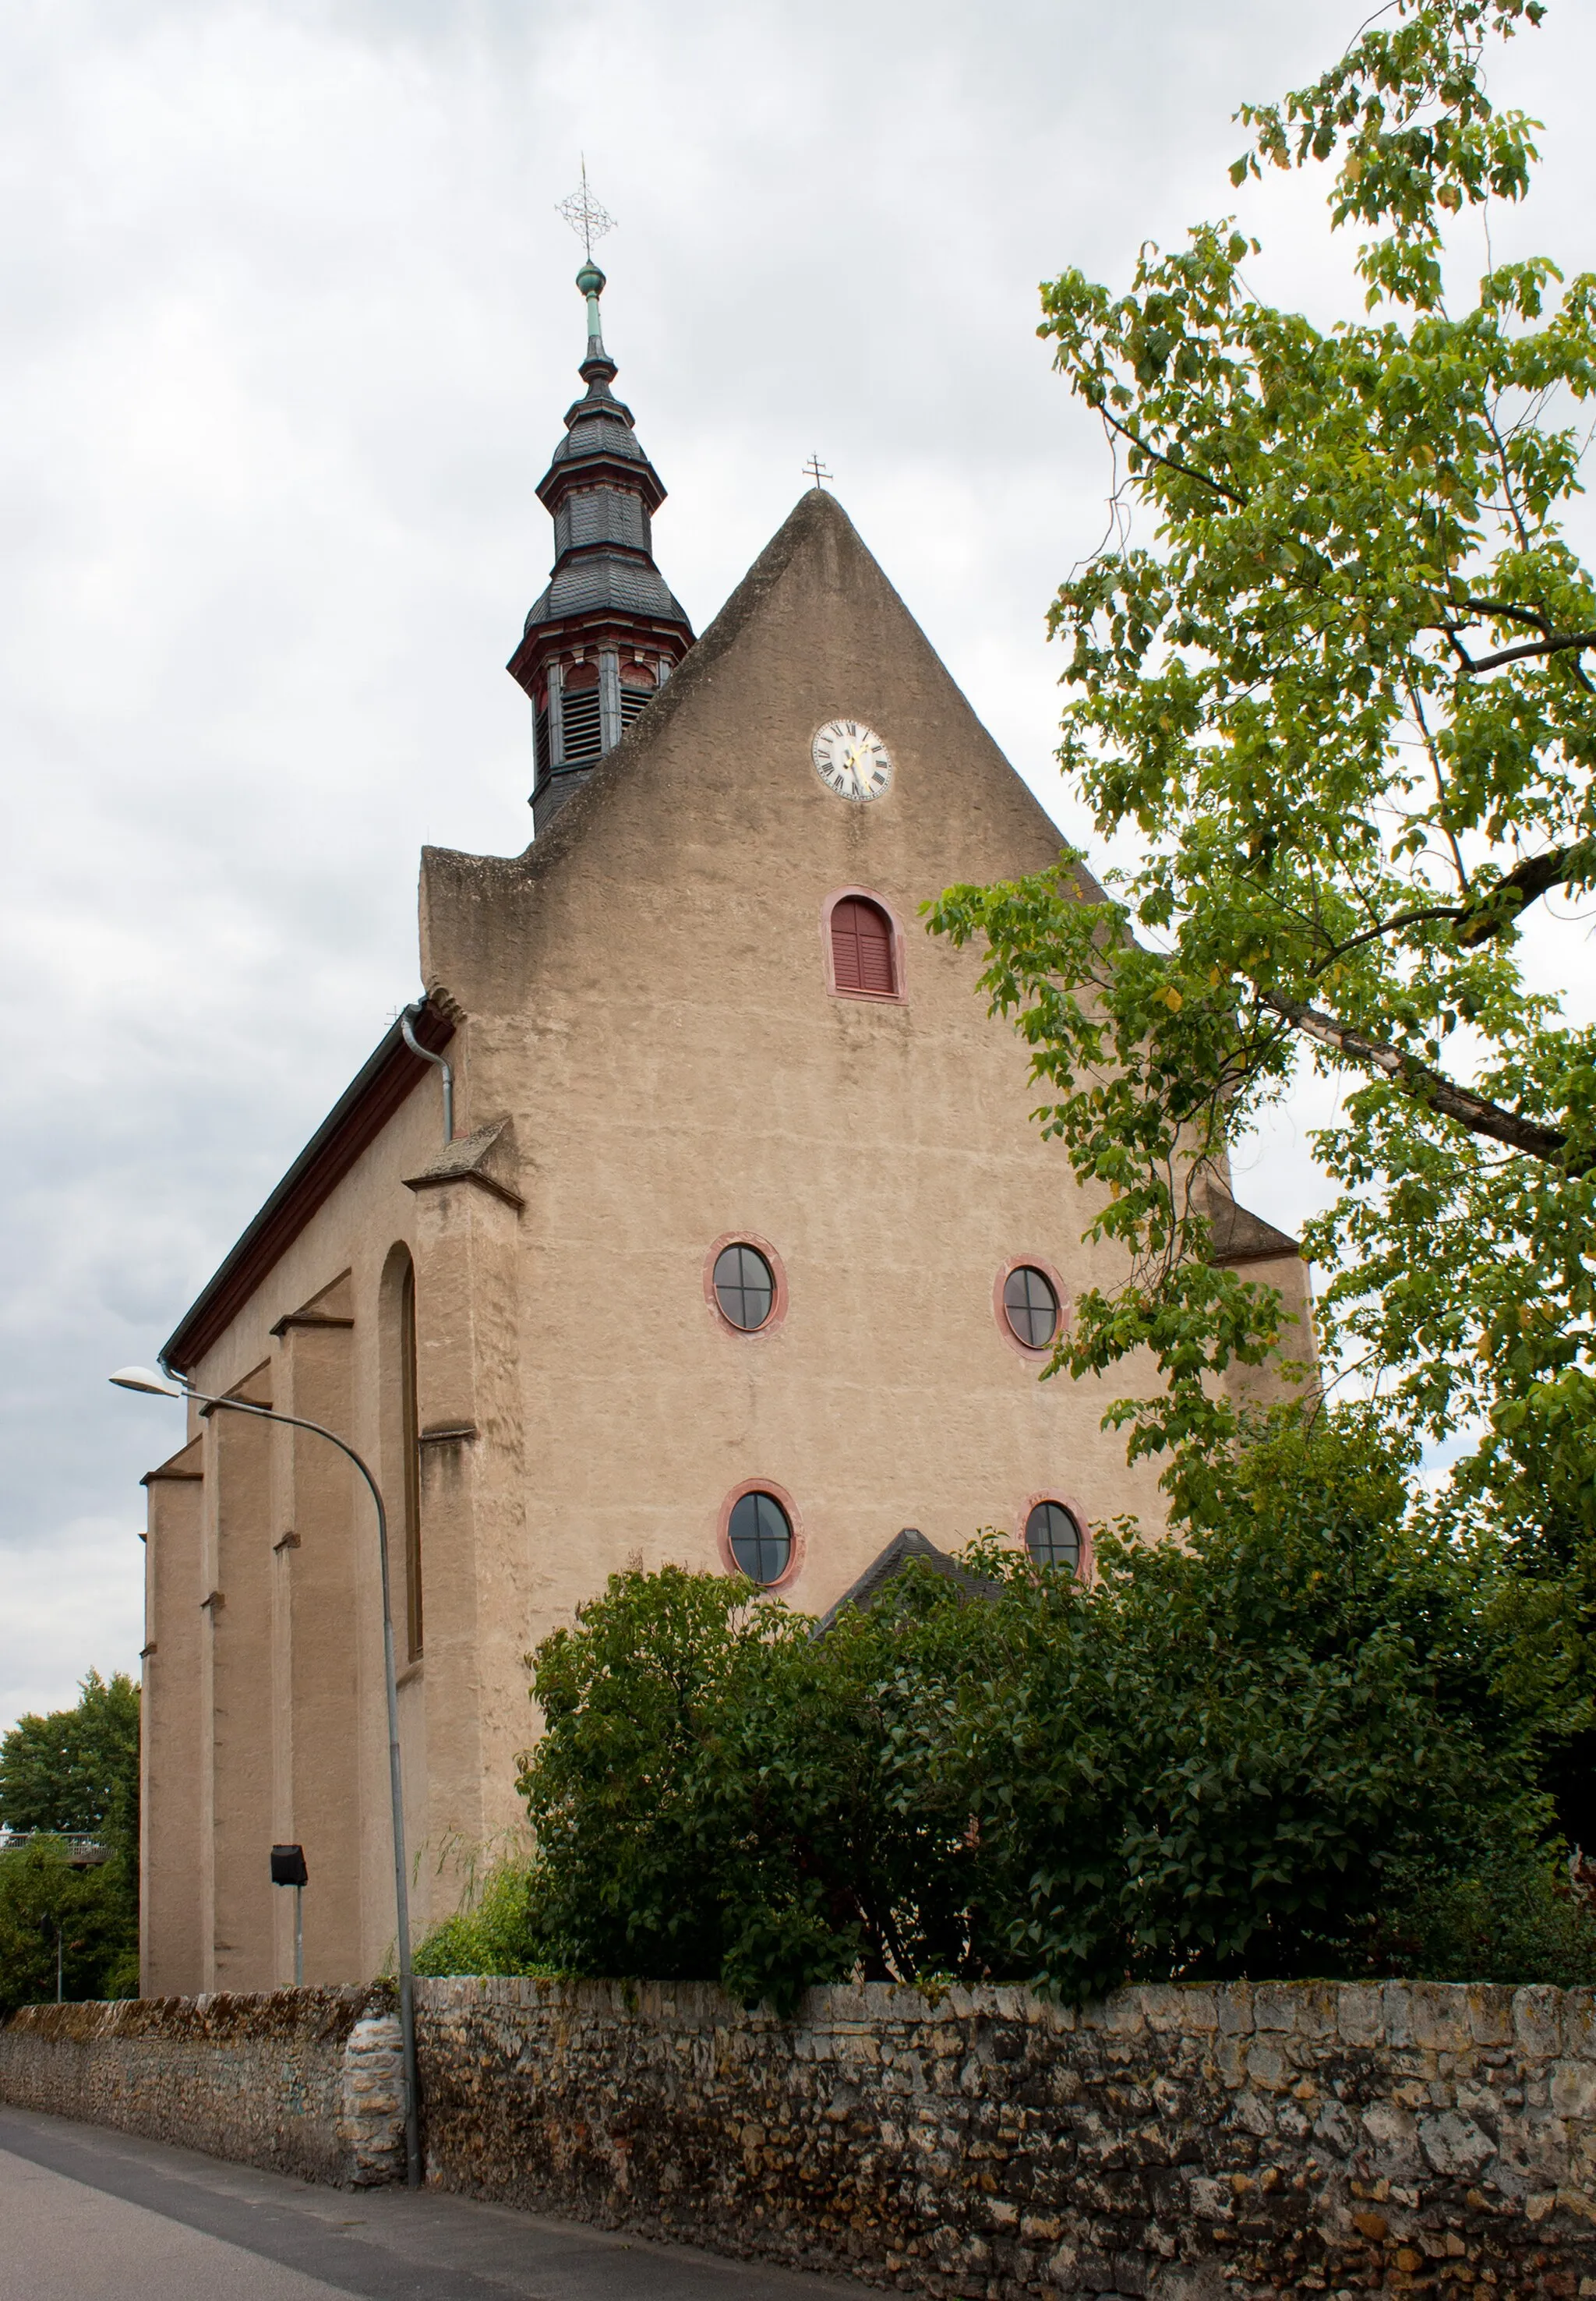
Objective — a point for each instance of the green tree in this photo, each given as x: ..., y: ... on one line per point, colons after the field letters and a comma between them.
x: 94, y: 1910
x: 71, y: 1773
x: 1341, y: 695
x: 75, y: 1771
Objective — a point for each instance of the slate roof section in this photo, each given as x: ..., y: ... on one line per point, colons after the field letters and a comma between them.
x: 904, y: 1549
x: 599, y: 425
x: 602, y: 581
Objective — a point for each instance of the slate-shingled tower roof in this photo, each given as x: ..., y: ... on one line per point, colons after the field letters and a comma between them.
x: 607, y: 632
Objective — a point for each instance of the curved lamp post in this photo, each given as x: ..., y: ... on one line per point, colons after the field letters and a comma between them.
x: 157, y: 1387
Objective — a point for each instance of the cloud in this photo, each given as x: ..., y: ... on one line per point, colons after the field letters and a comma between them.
x: 289, y: 330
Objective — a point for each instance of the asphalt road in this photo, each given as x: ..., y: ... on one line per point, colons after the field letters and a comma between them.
x: 88, y: 2214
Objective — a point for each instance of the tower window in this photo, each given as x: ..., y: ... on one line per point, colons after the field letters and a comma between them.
x: 540, y: 741
x: 634, y: 702
x: 1031, y: 1307
x: 744, y: 1287
x: 1052, y: 1537
x: 760, y: 1534
x: 862, y: 952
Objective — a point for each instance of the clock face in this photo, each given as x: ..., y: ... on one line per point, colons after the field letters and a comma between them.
x: 852, y: 759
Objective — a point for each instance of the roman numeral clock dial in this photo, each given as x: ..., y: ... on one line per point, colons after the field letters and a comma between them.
x: 852, y: 760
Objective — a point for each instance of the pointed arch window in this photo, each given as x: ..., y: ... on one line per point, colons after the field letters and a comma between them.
x: 864, y: 946
x: 411, y: 1440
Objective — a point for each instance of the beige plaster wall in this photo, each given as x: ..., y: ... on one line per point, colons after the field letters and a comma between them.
x: 643, y: 996
x: 315, y: 1554
x: 648, y: 999
x: 308, y: 1671
x: 1264, y: 1385
x: 174, y: 1748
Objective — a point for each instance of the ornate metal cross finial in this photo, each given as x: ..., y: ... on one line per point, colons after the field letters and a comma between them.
x: 816, y: 470
x: 582, y: 212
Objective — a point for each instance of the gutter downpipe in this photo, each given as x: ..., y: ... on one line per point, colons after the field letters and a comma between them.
x: 427, y: 1056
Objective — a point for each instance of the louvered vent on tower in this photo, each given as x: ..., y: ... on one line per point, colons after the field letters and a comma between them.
x: 584, y: 740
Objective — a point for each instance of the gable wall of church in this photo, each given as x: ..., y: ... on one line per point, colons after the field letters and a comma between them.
x: 651, y: 1005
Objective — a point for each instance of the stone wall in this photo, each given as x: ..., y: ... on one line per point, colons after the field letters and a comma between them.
x: 1174, y: 2143
x: 301, y: 2081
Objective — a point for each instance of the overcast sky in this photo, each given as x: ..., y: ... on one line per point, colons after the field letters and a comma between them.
x: 289, y: 330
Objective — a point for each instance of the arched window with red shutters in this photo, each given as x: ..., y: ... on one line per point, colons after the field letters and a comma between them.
x: 863, y: 958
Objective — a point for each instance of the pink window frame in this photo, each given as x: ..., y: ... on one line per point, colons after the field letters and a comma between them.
x: 1030, y: 1262
x: 728, y: 1565
x: 898, y: 996
x: 1066, y: 1501
x: 778, y: 1308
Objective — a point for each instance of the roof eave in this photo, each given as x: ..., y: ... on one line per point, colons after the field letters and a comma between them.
x: 367, y: 1103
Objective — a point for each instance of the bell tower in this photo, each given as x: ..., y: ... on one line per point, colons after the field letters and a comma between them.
x: 606, y: 634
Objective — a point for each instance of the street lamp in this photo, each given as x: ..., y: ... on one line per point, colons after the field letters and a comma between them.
x: 157, y: 1386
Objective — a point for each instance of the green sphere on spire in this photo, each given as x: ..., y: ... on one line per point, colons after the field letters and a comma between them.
x: 590, y: 279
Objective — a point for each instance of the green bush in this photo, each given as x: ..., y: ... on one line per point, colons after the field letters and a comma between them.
x: 498, y: 1929
x: 1508, y: 1914
x: 1303, y: 1732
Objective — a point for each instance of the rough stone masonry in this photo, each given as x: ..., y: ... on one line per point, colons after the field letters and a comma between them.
x: 1176, y: 2143
x: 302, y: 2081
x: 1180, y: 2144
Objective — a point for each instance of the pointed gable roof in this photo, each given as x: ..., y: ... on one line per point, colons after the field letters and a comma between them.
x: 817, y: 530
x: 905, y: 1548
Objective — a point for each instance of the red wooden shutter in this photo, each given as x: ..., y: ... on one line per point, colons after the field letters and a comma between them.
x: 862, y: 947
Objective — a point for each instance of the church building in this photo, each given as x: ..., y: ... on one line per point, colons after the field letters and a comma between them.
x: 695, y: 1214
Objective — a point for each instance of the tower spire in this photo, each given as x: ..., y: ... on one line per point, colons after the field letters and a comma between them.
x: 606, y: 633
x: 592, y: 283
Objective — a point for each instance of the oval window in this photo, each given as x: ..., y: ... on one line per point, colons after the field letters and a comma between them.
x: 744, y: 1287
x: 761, y: 1537
x: 1052, y: 1537
x: 1031, y: 1307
